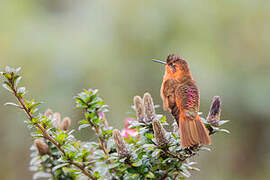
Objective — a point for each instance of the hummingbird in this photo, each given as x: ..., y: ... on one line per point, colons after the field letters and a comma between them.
x: 181, y: 96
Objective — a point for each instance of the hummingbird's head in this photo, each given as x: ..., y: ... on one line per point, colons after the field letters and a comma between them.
x: 175, y: 66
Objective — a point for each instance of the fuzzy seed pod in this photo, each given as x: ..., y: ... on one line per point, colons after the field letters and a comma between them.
x: 57, y: 122
x: 215, y: 111
x: 149, y: 108
x: 138, y: 102
x: 42, y: 147
x: 48, y: 113
x: 159, y: 133
x: 120, y: 144
x: 65, y: 123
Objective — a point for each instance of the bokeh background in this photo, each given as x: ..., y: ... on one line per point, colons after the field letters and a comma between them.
x: 64, y: 46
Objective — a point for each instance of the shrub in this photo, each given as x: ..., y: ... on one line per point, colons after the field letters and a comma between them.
x: 143, y: 150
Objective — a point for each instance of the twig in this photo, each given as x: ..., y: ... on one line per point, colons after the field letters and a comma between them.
x: 101, y: 140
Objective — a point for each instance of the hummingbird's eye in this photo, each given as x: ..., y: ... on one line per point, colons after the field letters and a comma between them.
x: 172, y: 65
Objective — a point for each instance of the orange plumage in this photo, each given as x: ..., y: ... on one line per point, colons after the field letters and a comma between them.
x: 181, y: 97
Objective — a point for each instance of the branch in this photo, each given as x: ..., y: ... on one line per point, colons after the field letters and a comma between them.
x: 101, y: 140
x: 47, y: 135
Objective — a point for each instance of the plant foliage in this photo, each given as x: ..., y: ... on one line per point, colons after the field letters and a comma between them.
x: 153, y: 153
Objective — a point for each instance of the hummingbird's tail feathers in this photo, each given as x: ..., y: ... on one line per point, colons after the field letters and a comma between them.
x: 204, y: 137
x: 188, y: 133
x: 193, y: 132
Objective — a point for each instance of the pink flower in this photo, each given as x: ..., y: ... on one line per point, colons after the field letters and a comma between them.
x: 127, y: 131
x: 101, y: 115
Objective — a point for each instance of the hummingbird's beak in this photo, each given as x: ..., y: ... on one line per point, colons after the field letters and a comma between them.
x: 158, y: 61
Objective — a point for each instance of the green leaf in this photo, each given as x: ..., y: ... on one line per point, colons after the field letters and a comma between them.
x: 138, y: 163
x: 80, y: 103
x: 113, y: 165
x: 185, y: 172
x: 223, y: 122
x: 7, y: 86
x: 9, y: 69
x: 163, y: 119
x: 61, y: 137
x: 148, y: 146
x: 18, y: 70
x: 35, y: 120
x: 95, y: 91
x: 71, y: 154
x: 99, y: 153
x: 149, y: 136
x: 83, y: 126
x: 156, y: 153
x: 16, y: 80
x: 42, y: 175
x: 224, y: 130
x: 204, y: 148
x: 21, y: 91
x: 150, y: 175
x: 7, y: 75
x: 106, y: 132
x: 134, y: 124
x: 34, y: 104
x: 84, y: 121
x: 96, y: 174
x: 59, y: 166
x: 220, y: 130
x: 11, y: 104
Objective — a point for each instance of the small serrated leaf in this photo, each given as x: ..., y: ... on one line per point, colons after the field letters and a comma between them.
x: 7, y: 87
x: 224, y: 130
x: 11, y: 104
x: 21, y: 90
x: 185, y: 172
x: 59, y: 166
x: 42, y: 175
x: 83, y: 126
x: 18, y: 70
x: 137, y: 164
x: 8, y: 69
x: 223, y: 122
x: 17, y: 80
x: 156, y: 153
x: 205, y: 148
x: 150, y: 175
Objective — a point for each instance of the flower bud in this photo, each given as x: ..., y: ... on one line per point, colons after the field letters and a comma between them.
x: 120, y: 144
x: 139, y: 108
x: 48, y: 113
x: 215, y: 111
x: 57, y: 120
x: 149, y: 108
x: 42, y: 147
x: 159, y: 132
x: 65, y: 123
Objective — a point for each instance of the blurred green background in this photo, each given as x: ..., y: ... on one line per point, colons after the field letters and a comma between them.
x: 64, y: 46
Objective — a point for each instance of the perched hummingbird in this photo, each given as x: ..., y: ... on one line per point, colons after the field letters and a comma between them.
x: 181, y: 97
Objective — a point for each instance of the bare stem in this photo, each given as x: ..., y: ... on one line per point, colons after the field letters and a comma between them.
x: 101, y: 140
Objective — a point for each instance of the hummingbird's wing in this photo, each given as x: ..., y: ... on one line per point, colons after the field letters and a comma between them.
x: 168, y: 96
x: 191, y: 127
x: 188, y: 99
